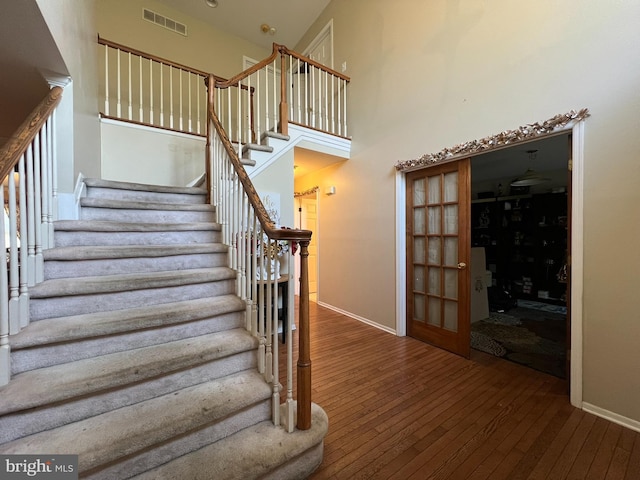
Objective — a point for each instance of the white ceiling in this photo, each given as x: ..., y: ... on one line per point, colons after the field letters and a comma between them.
x: 551, y: 154
x: 243, y: 18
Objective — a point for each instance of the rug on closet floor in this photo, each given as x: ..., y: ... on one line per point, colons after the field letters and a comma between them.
x: 535, y: 338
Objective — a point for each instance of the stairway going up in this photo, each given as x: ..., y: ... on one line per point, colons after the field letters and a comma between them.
x: 137, y: 358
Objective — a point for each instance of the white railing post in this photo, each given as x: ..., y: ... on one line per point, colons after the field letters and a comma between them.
x: 5, y: 349
x: 14, y: 268
x: 31, y: 219
x: 130, y: 107
x: 40, y: 153
x: 118, y: 80
x: 106, y: 80
x: 23, y: 253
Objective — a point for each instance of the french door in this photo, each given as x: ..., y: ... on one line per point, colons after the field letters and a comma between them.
x: 438, y: 251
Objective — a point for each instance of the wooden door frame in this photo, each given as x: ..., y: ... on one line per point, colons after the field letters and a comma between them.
x: 577, y: 253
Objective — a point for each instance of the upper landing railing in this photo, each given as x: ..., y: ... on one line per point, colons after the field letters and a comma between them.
x: 286, y: 87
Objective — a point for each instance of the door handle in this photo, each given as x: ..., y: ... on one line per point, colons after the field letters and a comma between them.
x: 462, y: 266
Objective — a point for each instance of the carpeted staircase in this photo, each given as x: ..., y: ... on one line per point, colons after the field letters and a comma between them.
x: 137, y: 358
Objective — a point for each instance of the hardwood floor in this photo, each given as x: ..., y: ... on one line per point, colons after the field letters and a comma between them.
x: 401, y: 409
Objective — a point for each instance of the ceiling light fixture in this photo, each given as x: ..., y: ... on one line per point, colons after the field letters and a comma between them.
x: 268, y: 29
x: 530, y: 177
x: 211, y: 3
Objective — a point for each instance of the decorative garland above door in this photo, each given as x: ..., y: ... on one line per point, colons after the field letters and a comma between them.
x: 502, y: 139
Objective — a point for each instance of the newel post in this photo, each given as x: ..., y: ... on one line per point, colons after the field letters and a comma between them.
x: 304, y: 350
x: 284, y: 107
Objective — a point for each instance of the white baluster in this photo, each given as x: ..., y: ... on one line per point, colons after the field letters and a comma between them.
x: 171, y: 96
x: 162, y: 95
x: 180, y: 112
x: 333, y: 104
x: 258, y: 109
x: 198, y: 80
x: 275, y: 96
x: 313, y: 96
x: 151, y: 91
x: 45, y: 190
x: 338, y: 101
x: 306, y: 93
x: 290, y: 87
x: 130, y: 109
x: 267, y: 116
x: 345, y: 108
x: 106, y: 80
x: 40, y: 153
x: 247, y: 109
x: 141, y: 112
x: 239, y: 118
x: 14, y: 266
x: 289, y: 421
x: 53, y: 121
x: 5, y: 349
x: 31, y: 223
x: 189, y: 78
x: 326, y: 101
x: 118, y: 80
x: 24, y: 238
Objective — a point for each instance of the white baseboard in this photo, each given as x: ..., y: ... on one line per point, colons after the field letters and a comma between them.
x: 357, y: 317
x: 612, y: 417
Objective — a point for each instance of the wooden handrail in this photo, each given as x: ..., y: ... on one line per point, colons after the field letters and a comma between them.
x: 268, y: 226
x: 12, y: 150
x: 308, y: 60
x: 277, y: 49
x: 148, y: 56
x: 303, y: 238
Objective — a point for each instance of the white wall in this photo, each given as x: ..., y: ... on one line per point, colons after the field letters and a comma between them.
x: 431, y: 75
x: 73, y: 26
x: 131, y: 153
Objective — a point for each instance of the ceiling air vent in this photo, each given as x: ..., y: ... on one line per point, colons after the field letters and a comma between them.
x: 165, y: 22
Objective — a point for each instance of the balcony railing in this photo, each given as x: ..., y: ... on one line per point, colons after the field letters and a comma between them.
x: 285, y: 87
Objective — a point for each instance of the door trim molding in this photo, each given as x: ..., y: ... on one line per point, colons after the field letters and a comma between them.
x: 327, y: 31
x: 577, y: 253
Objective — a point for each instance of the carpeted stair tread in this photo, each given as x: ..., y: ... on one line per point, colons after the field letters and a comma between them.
x: 112, y: 226
x: 99, y: 324
x: 142, y: 205
x: 83, y: 377
x: 129, y: 251
x: 128, y: 282
x: 251, y: 453
x: 98, y: 182
x: 141, y: 426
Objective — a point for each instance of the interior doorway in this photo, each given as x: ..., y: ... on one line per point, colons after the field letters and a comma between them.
x: 307, y: 219
x: 520, y: 239
x: 575, y: 127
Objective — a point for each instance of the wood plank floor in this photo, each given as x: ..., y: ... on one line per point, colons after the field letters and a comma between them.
x: 401, y: 409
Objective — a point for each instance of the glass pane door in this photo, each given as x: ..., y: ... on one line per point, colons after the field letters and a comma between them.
x: 438, y: 255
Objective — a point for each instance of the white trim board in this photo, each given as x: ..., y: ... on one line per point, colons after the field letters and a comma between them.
x: 357, y: 317
x: 612, y: 417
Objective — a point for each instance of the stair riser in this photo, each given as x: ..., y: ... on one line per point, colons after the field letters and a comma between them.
x: 179, y: 446
x: 68, y: 239
x: 142, y: 196
x: 114, y: 266
x: 103, y: 302
x: 46, y: 356
x: 18, y: 425
x: 146, y: 216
